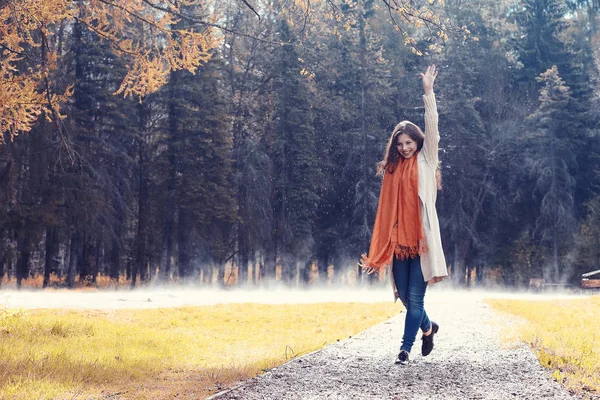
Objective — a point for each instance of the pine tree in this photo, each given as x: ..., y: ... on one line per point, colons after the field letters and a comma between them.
x: 97, y: 182
x: 477, y: 126
x: 353, y: 119
x: 465, y: 144
x: 550, y: 40
x: 539, y: 48
x: 371, y: 89
x: 200, y: 148
x: 554, y: 167
x: 296, y: 171
x: 580, y: 77
x: 247, y: 59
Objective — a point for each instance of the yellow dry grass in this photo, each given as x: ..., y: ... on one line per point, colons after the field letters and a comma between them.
x: 565, y: 334
x: 163, y: 353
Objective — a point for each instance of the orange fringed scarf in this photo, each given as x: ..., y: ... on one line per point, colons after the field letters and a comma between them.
x: 398, y: 226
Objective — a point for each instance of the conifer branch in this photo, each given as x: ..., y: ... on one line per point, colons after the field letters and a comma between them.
x: 110, y: 40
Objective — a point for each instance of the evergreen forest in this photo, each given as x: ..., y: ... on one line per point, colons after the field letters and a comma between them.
x: 259, y: 166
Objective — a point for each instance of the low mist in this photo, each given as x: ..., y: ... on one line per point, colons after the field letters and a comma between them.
x: 181, y: 297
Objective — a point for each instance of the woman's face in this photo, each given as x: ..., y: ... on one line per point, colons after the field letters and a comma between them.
x: 406, y: 146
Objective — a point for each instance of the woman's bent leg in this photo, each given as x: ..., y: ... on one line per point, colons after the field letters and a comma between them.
x: 416, y: 317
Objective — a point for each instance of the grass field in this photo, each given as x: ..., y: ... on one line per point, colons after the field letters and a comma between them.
x: 565, y: 335
x: 162, y: 353
x: 194, y: 352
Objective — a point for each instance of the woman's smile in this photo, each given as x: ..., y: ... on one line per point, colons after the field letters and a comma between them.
x: 406, y: 146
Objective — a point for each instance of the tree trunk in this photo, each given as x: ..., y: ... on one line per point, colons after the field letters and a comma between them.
x: 145, y: 270
x: 322, y: 264
x: 364, y: 168
x: 261, y: 268
x: 10, y: 262
x: 480, y: 274
x: 98, y: 261
x: 556, y: 270
x: 206, y: 274
x: 51, y: 252
x: 253, y: 276
x: 270, y: 258
x: 24, y: 253
x: 73, y: 260
x: 243, y: 254
x: 338, y: 270
x: 128, y: 269
x: 239, y: 138
x: 469, y: 269
x: 22, y: 267
x: 306, y: 271
x: 183, y: 253
x: 84, y: 262
x: 2, y: 268
x: 288, y: 269
x: 3, y: 258
x: 459, y: 270
x: 168, y: 275
x: 170, y: 205
x: 134, y: 272
x: 142, y: 217
x: 454, y: 272
x: 509, y: 274
x: 115, y: 260
x: 221, y: 280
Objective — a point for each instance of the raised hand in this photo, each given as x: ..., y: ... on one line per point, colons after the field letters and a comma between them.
x: 428, y: 78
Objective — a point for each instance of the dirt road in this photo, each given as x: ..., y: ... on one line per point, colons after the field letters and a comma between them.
x: 470, y: 361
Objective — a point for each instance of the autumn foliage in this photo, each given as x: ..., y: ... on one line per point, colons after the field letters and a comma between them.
x: 145, y: 32
x: 155, y: 37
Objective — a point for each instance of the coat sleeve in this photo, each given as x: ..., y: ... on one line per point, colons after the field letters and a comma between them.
x: 432, y: 135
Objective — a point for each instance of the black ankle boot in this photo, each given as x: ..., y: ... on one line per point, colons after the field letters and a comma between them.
x: 427, y: 345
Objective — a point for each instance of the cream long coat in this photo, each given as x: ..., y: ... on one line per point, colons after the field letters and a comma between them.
x: 433, y: 262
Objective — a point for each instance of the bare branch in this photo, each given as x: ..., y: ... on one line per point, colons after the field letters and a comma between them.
x: 306, y: 18
x: 136, y: 16
x: 27, y: 55
x: 209, y: 24
x: 55, y: 114
x: 250, y: 7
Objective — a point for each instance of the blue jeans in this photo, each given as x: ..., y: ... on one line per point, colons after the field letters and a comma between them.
x: 411, y: 288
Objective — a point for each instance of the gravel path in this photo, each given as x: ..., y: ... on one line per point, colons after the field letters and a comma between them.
x: 469, y: 362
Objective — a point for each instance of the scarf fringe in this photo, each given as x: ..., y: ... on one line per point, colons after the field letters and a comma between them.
x: 401, y: 252
x: 384, y: 260
x: 404, y: 252
x: 368, y: 267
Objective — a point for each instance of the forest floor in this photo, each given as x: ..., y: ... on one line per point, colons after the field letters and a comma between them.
x: 476, y: 356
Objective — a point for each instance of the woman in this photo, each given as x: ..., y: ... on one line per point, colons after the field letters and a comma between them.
x: 407, y: 232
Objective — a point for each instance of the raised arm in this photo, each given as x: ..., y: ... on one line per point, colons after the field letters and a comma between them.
x: 432, y: 136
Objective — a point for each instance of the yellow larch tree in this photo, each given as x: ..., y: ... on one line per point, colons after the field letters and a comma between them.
x: 143, y: 31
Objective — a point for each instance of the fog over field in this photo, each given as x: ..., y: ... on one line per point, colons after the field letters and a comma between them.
x: 179, y: 297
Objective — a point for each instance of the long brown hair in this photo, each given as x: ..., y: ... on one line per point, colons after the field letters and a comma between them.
x: 391, y: 156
